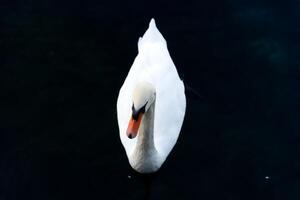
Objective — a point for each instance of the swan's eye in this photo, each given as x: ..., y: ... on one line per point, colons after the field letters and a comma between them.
x: 135, y: 113
x: 142, y: 110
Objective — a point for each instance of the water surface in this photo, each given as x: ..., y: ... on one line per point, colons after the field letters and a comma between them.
x: 64, y: 62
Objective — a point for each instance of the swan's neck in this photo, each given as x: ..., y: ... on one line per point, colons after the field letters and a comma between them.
x: 145, y: 139
x: 145, y: 156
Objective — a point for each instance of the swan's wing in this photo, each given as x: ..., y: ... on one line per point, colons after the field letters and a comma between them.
x: 124, y: 105
x: 154, y: 64
x: 169, y: 113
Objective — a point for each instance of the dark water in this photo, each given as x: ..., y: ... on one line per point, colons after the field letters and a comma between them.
x: 62, y: 64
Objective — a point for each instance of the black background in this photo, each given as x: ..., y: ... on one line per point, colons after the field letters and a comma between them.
x: 62, y: 64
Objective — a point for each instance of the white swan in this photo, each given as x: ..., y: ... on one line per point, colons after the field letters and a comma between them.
x: 151, y: 104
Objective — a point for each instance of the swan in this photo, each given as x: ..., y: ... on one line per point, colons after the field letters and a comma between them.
x: 151, y: 104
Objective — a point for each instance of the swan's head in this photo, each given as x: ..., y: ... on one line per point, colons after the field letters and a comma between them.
x: 142, y: 99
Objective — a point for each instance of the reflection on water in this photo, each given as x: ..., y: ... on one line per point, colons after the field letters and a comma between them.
x: 147, y: 181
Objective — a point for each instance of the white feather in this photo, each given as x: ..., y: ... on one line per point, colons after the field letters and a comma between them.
x: 154, y: 64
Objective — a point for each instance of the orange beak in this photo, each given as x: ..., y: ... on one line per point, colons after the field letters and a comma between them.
x: 133, y: 126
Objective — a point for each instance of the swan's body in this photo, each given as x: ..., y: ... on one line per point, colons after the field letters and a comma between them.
x: 151, y: 103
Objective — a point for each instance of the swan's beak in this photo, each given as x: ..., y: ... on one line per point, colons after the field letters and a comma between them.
x: 133, y: 126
